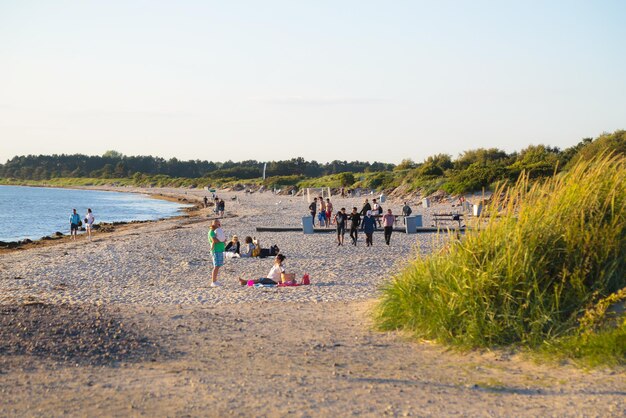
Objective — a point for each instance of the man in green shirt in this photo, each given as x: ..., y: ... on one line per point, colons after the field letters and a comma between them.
x: 216, y: 241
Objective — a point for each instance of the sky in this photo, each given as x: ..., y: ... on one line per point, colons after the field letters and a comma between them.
x: 323, y: 80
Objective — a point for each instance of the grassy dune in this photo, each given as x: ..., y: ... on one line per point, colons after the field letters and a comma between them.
x: 527, y: 276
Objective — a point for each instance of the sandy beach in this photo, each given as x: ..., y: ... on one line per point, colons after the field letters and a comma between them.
x: 128, y: 325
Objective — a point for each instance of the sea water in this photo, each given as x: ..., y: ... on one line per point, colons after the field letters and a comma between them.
x: 35, y: 212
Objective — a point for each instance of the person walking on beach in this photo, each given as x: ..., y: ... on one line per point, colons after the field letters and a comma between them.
x: 313, y: 209
x: 216, y: 242
x: 388, y: 221
x: 74, y: 224
x: 89, y: 220
x: 406, y: 211
x: 377, y: 210
x: 366, y: 207
x: 206, y: 202
x: 221, y: 205
x: 340, y: 221
x: 369, y: 225
x: 275, y: 274
x: 355, y: 221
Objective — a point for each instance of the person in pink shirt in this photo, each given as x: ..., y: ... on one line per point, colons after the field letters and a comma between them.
x: 387, y: 222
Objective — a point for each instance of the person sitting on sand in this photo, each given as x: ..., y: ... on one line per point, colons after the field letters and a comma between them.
x: 248, y: 248
x: 233, y: 247
x: 273, y: 277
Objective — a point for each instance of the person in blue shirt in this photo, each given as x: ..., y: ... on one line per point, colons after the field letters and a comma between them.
x: 74, y: 224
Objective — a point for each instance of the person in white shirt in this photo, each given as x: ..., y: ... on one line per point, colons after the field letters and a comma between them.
x: 89, y: 220
x: 273, y: 277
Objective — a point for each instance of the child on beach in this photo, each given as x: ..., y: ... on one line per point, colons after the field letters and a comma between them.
x: 248, y: 248
x: 274, y: 276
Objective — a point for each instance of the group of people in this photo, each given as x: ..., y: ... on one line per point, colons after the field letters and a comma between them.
x: 220, y: 205
x: 323, y: 209
x: 76, y: 223
x: 234, y: 249
x: 365, y: 220
x: 219, y: 248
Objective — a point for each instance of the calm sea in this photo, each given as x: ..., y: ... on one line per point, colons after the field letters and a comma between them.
x: 34, y: 212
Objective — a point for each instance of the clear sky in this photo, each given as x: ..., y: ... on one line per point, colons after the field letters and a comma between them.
x: 322, y: 80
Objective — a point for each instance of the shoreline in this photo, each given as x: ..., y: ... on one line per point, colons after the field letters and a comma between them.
x: 105, y: 227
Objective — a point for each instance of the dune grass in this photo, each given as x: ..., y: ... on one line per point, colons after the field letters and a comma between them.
x: 526, y: 276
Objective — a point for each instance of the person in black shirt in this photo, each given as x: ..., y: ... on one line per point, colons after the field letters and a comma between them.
x: 340, y: 221
x: 313, y: 209
x: 355, y: 221
x: 366, y: 207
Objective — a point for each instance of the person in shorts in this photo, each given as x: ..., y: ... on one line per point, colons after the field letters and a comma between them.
x: 216, y: 242
x: 89, y: 220
x: 74, y: 224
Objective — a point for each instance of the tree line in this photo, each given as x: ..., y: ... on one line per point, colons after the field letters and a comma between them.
x: 470, y: 171
x: 113, y: 164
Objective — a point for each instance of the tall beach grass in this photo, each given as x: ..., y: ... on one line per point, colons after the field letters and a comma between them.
x: 527, y: 275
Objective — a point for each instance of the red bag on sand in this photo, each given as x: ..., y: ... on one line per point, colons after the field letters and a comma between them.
x: 305, y: 279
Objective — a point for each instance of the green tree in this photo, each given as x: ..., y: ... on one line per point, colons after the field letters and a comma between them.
x: 346, y: 179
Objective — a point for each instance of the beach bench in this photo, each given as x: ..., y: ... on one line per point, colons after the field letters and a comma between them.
x: 447, y: 217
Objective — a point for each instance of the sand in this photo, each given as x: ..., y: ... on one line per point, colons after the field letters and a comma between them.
x: 127, y: 325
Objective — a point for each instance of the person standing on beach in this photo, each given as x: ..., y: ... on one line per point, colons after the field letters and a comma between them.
x: 216, y: 241
x: 313, y: 209
x: 340, y: 221
x: 387, y: 222
x: 355, y: 221
x: 89, y: 220
x: 369, y: 225
x: 74, y: 224
x: 329, y: 212
x: 322, y: 211
x: 206, y: 202
x: 221, y: 206
x: 406, y: 211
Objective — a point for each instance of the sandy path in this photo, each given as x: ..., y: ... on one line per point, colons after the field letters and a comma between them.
x: 307, y: 351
